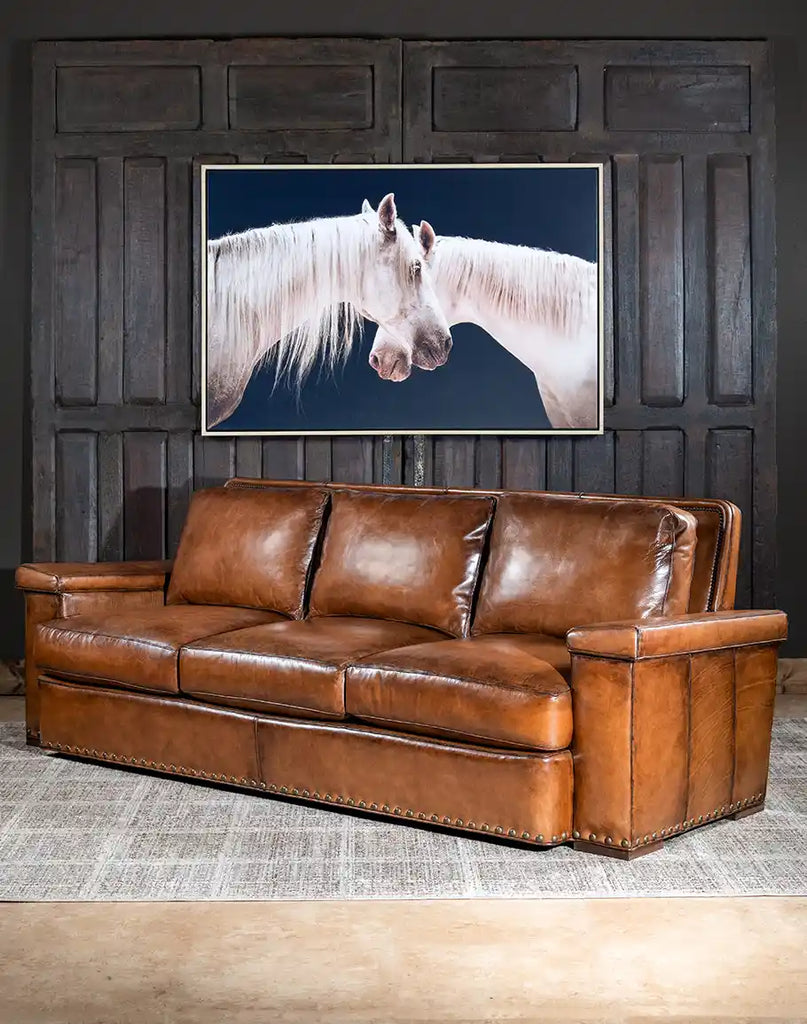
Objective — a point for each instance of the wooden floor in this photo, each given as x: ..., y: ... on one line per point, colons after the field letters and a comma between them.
x: 698, y: 960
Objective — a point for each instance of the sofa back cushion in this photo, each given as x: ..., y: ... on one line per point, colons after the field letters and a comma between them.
x: 407, y: 557
x: 248, y: 547
x: 558, y: 561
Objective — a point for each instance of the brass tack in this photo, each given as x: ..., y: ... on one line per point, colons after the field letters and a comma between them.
x: 272, y: 787
x: 458, y: 821
x: 485, y: 828
x: 421, y: 815
x: 499, y: 830
x: 339, y: 798
x: 647, y: 839
x: 624, y: 843
x: 655, y: 835
x: 511, y: 832
x: 575, y: 834
x: 409, y: 812
x: 284, y: 789
x: 143, y: 763
x: 362, y: 804
x: 539, y: 838
x: 433, y: 817
x: 608, y: 840
x: 327, y: 796
x: 446, y: 821
x: 723, y: 809
x: 563, y: 835
x: 306, y: 793
x: 295, y: 791
x: 592, y: 837
x: 525, y: 835
x: 716, y: 812
x: 385, y: 808
x: 95, y: 753
x: 263, y: 785
x: 349, y: 801
x: 396, y: 810
x: 554, y: 839
x: 373, y: 807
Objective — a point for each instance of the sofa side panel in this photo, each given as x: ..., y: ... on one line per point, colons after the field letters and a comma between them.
x: 38, y: 608
x: 660, y: 744
x: 755, y: 692
x: 603, y: 735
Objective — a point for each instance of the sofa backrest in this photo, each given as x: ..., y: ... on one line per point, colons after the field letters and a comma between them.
x: 714, y: 576
x: 556, y: 560
x: 409, y: 557
x: 249, y: 546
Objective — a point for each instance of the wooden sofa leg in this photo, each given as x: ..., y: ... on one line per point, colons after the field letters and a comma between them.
x: 609, y: 851
x: 745, y: 812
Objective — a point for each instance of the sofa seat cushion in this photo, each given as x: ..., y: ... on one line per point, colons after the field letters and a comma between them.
x: 137, y: 648
x: 489, y: 690
x: 292, y: 668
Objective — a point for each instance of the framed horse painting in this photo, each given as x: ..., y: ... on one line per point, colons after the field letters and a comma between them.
x: 447, y: 299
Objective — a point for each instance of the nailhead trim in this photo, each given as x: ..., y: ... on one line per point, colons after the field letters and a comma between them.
x: 680, y: 826
x: 293, y: 791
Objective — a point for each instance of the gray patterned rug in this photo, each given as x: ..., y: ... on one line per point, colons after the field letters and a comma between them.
x: 77, y: 831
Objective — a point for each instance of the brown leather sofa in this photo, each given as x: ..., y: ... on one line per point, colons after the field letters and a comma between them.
x: 541, y: 667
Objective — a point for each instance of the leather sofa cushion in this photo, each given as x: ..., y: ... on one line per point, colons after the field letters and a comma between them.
x: 489, y: 690
x: 250, y: 547
x: 558, y: 561
x: 135, y: 648
x: 408, y: 557
x: 292, y: 668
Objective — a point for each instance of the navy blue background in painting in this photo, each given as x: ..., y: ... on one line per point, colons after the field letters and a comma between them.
x: 481, y: 387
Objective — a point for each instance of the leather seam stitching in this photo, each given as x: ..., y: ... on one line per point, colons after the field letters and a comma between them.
x: 579, y: 652
x: 504, y: 685
x: 259, y: 700
x: 456, y: 732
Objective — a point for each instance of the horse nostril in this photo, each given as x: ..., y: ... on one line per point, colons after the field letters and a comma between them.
x: 375, y: 362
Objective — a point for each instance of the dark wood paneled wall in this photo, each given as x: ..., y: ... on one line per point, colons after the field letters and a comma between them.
x: 684, y: 130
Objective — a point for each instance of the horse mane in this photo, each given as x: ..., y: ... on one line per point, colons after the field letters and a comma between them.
x: 519, y: 282
x: 279, y: 292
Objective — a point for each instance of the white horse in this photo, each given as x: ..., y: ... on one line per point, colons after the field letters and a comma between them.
x: 541, y: 306
x: 298, y: 291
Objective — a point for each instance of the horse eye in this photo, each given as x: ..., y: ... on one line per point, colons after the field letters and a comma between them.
x: 416, y: 268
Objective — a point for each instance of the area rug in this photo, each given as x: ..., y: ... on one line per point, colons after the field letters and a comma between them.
x: 70, y: 830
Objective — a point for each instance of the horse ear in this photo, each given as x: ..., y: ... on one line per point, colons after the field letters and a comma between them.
x: 427, y: 238
x: 365, y: 207
x: 387, y: 213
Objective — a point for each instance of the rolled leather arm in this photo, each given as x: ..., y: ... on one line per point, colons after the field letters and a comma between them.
x: 75, y: 577
x: 684, y: 634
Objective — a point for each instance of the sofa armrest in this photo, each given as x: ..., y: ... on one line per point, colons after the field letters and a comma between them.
x: 672, y: 723
x: 72, y: 577
x: 683, y: 634
x: 57, y: 590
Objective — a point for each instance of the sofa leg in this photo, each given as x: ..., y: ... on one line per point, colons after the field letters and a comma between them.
x: 32, y: 738
x: 745, y: 812
x: 609, y: 851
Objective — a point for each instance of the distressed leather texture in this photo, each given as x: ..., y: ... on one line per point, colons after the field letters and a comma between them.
x: 543, y: 668
x: 490, y: 690
x: 556, y: 562
x: 405, y: 557
x: 251, y: 548
x: 135, y: 648
x: 292, y: 668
